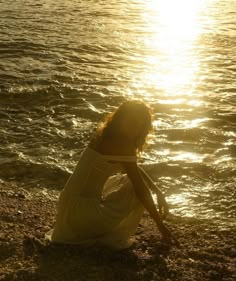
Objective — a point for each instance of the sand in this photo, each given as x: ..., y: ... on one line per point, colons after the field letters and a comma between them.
x: 207, y: 251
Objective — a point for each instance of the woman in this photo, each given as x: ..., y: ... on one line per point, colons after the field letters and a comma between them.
x: 97, y: 205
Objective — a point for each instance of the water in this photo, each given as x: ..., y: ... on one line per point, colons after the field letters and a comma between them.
x: 65, y: 64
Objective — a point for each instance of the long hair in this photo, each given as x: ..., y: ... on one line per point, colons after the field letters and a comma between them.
x: 111, y: 122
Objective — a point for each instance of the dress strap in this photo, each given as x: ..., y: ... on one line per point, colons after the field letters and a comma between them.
x: 116, y: 158
x: 123, y: 158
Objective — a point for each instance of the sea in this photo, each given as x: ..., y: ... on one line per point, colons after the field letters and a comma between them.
x: 65, y: 64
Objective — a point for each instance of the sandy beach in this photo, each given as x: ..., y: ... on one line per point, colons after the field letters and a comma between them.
x: 206, y: 252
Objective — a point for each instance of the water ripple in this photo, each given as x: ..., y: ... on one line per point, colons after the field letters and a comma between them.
x: 65, y: 64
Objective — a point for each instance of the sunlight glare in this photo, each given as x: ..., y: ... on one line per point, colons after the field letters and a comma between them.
x: 174, y: 28
x: 188, y: 124
x: 188, y: 156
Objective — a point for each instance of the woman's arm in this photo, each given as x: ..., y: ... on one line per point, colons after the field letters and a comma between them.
x: 162, y: 204
x: 150, y: 183
x: 142, y: 191
x: 146, y: 199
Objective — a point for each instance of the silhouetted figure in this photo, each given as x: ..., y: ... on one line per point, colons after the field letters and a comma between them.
x: 104, y: 199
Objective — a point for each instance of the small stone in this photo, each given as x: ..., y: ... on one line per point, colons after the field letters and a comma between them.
x: 21, y: 195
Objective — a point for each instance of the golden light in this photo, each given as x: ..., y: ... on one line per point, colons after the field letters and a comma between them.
x: 173, y: 30
x: 188, y: 156
x: 188, y: 124
x: 177, y: 200
x: 183, y: 200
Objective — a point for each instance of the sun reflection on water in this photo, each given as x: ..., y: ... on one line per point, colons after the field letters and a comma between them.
x: 179, y: 203
x: 181, y: 200
x: 173, y: 30
x: 172, y: 78
x: 188, y: 156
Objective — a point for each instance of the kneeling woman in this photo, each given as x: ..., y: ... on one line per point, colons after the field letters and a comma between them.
x: 104, y: 199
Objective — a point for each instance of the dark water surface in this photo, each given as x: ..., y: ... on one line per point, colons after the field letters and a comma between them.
x: 64, y: 64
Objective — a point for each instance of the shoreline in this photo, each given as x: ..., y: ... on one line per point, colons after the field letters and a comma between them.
x: 206, y: 253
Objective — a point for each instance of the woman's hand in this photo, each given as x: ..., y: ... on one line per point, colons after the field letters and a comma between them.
x: 167, y: 236
x: 162, y: 205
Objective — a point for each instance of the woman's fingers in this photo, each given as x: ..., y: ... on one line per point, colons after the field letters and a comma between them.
x: 166, y: 210
x: 168, y: 236
x: 160, y: 208
x: 173, y: 240
x: 163, y: 216
x: 160, y: 200
x: 163, y: 207
x: 176, y: 241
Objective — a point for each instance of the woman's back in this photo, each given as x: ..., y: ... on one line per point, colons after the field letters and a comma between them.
x: 92, y: 171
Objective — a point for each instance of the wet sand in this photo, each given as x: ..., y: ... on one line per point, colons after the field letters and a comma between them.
x: 206, y: 253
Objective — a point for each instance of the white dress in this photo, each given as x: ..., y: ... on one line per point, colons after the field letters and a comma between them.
x: 97, y: 204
